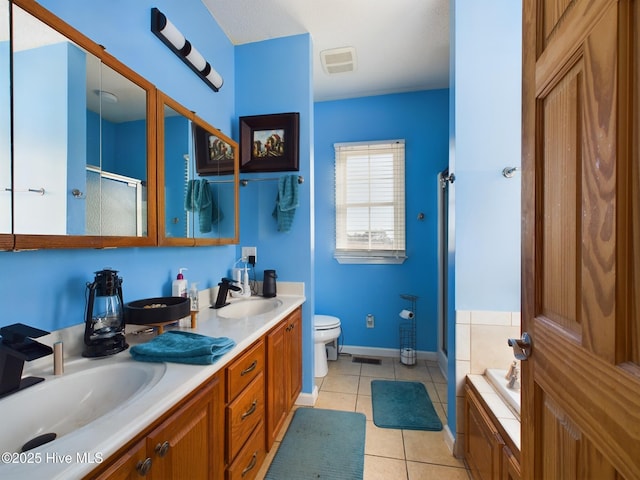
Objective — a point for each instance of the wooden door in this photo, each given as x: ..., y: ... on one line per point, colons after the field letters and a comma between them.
x: 293, y: 355
x: 276, y: 386
x: 581, y: 264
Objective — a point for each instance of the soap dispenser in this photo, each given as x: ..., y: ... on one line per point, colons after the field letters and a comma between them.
x: 179, y: 286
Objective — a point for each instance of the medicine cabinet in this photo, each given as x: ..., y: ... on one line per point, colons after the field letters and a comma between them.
x: 6, y: 208
x: 84, y: 140
x: 197, y: 179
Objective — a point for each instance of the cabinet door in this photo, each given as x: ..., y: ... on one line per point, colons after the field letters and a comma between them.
x: 132, y: 465
x: 293, y: 355
x: 510, y: 465
x: 277, y: 396
x: 482, y: 443
x: 186, y: 444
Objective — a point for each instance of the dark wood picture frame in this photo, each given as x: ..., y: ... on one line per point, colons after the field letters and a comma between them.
x: 214, y: 155
x: 269, y: 143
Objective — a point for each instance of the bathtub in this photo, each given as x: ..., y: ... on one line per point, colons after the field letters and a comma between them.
x: 495, y: 376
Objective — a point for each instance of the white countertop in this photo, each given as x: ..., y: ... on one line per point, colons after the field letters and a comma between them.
x: 104, y: 436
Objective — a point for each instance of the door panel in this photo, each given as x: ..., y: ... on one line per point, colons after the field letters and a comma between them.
x: 581, y: 215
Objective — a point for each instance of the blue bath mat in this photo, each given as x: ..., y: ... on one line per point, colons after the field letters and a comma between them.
x: 325, y: 444
x: 403, y: 405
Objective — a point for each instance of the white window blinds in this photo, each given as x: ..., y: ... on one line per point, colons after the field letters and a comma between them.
x: 370, y: 202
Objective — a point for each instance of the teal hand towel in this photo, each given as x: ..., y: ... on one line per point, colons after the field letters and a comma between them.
x: 286, y: 202
x: 199, y: 199
x: 182, y: 347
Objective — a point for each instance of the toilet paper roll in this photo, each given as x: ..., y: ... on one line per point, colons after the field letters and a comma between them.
x: 408, y: 314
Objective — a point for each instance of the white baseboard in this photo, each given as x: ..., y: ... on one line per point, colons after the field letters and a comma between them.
x: 308, y: 399
x: 449, y: 440
x: 385, y: 352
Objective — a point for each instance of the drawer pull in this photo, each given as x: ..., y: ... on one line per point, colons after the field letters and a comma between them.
x: 252, y: 464
x: 162, y: 449
x: 252, y: 409
x: 143, y: 467
x: 250, y: 368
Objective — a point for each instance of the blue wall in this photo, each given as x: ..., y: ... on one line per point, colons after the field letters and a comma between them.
x: 274, y: 76
x: 47, y: 288
x: 352, y: 291
x: 487, y: 139
x: 486, y: 43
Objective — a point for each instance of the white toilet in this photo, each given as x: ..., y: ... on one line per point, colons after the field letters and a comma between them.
x: 326, y: 330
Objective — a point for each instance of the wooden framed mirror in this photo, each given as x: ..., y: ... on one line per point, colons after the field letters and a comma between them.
x: 198, y: 178
x: 84, y: 140
x: 6, y: 206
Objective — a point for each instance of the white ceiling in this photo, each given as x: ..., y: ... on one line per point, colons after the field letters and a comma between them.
x: 401, y: 45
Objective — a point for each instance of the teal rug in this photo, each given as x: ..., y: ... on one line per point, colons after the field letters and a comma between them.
x: 321, y: 444
x: 403, y: 405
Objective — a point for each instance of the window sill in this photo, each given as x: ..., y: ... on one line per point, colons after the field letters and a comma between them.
x: 369, y: 260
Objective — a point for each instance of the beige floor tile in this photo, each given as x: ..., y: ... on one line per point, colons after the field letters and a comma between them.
x: 419, y: 373
x: 380, y: 468
x: 341, y: 384
x: 422, y: 471
x: 432, y: 391
x: 365, y: 386
x: 441, y: 388
x: 385, y: 370
x: 347, y: 387
x: 436, y: 375
x: 383, y: 442
x: 344, y: 366
x: 428, y: 447
x: 363, y: 405
x: 336, y: 401
x: 441, y: 410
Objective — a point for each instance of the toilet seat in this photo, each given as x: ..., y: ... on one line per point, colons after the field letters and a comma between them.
x: 325, y: 322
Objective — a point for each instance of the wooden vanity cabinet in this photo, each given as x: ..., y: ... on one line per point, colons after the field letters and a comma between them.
x: 488, y: 450
x: 224, y: 428
x: 187, y: 443
x: 245, y: 409
x: 284, y: 373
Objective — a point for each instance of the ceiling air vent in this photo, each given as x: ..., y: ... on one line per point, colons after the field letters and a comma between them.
x: 338, y: 60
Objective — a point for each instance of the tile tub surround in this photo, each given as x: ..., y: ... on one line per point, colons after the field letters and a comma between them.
x: 481, y: 343
x: 389, y: 453
x: 107, y: 434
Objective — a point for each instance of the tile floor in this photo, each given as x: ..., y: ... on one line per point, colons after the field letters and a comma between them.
x: 389, y: 454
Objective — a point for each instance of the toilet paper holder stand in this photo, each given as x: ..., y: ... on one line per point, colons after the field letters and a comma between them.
x: 408, y: 354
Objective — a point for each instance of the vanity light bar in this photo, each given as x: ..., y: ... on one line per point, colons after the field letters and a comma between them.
x: 172, y: 38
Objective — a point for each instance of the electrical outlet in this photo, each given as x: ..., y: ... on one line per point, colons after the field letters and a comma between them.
x: 249, y: 251
x: 370, y: 321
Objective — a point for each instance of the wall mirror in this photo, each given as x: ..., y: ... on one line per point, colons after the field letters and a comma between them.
x: 197, y: 179
x: 83, y: 140
x: 6, y: 239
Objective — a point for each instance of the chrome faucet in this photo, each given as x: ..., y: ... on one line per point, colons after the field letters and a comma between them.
x: 17, y: 347
x: 223, y: 288
x: 512, y: 377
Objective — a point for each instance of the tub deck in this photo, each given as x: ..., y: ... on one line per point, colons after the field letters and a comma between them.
x: 505, y: 413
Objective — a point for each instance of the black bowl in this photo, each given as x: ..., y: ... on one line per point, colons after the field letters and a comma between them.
x: 156, y: 310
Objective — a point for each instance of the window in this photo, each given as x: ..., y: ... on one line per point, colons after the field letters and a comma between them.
x: 370, y: 218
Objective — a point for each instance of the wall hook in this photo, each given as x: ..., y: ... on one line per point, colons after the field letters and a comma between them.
x: 509, y: 172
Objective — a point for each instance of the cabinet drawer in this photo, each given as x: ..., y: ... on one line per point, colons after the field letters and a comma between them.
x: 243, y: 414
x: 247, y: 464
x: 242, y: 371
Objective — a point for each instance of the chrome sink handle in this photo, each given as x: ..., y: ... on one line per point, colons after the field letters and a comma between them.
x: 521, y: 346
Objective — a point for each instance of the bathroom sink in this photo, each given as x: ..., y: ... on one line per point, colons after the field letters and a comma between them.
x: 64, y: 404
x: 249, y: 307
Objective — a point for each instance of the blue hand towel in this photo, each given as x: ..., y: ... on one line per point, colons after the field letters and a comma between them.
x: 199, y: 199
x: 182, y: 347
x: 286, y: 202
